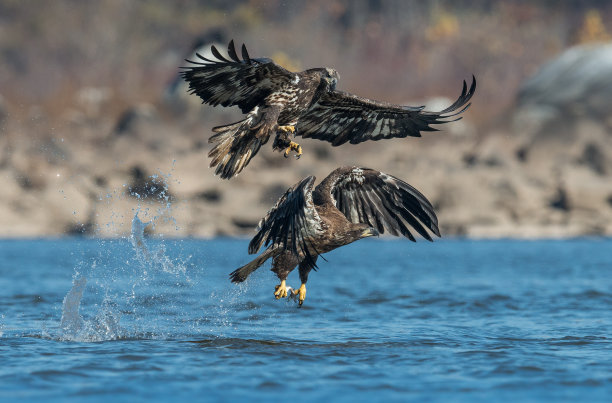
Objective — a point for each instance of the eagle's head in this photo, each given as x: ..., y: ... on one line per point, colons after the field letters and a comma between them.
x: 331, y: 76
x: 368, y: 231
x: 361, y: 230
x: 354, y: 232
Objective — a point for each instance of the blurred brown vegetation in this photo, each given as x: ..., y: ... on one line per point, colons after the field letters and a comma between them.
x: 86, y: 94
x: 406, y: 49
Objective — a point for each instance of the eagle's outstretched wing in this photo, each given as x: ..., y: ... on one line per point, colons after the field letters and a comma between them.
x: 244, y: 83
x: 291, y: 223
x: 382, y: 201
x: 339, y: 117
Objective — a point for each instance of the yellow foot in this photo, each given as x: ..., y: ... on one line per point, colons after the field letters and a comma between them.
x: 280, y: 291
x: 300, y: 293
x: 294, y: 147
x: 287, y: 128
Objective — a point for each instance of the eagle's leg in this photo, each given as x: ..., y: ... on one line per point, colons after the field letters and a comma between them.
x: 288, y: 144
x: 280, y: 291
x: 304, y: 268
x: 294, y: 147
x: 282, y: 265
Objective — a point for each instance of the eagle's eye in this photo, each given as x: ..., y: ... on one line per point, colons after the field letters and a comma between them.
x: 331, y: 73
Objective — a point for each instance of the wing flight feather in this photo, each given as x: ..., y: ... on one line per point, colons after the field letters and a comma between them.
x: 243, y: 82
x: 291, y: 223
x: 340, y: 117
x: 382, y: 201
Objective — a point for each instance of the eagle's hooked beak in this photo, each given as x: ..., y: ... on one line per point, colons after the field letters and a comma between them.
x: 370, y: 232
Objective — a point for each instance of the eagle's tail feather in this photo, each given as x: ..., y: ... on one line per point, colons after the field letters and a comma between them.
x: 235, y: 145
x: 241, y: 274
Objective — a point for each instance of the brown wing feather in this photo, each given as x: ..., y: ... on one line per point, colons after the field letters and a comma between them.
x: 291, y: 224
x: 243, y: 82
x: 382, y: 201
x: 339, y: 117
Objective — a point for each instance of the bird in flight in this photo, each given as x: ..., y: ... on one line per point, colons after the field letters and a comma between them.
x: 279, y: 102
x: 351, y: 203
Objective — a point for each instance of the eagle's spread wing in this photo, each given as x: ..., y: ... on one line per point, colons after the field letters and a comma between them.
x: 339, y: 117
x: 383, y: 202
x: 291, y: 223
x: 244, y: 83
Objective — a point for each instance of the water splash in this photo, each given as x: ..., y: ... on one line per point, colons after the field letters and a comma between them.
x: 103, y: 326
x: 152, y: 256
x: 137, y: 236
x: 122, y: 280
x: 72, y: 322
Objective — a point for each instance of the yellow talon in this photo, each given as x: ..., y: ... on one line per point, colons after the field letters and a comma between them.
x: 300, y: 293
x: 280, y: 291
x: 294, y: 147
x: 287, y: 128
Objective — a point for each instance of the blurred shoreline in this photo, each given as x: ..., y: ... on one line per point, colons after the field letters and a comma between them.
x: 96, y: 127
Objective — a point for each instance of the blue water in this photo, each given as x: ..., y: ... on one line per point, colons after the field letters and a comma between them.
x: 385, y: 320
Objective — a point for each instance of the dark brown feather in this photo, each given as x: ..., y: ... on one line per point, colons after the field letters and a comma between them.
x: 349, y: 204
x: 340, y: 117
x: 228, y: 82
x: 366, y: 195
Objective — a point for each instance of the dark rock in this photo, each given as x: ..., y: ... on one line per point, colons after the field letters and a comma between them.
x: 561, y: 200
x: 210, y: 195
x: 81, y: 229
x: 131, y: 118
x: 100, y: 181
x: 30, y: 182
x: 148, y: 187
x: 244, y: 224
x: 470, y: 159
x: 493, y: 161
x: 594, y: 158
x: 522, y: 153
x: 199, y: 144
x: 444, y: 200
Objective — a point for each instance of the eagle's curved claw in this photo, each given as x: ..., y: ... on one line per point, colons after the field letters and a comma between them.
x: 294, y: 147
x: 287, y: 128
x: 300, y: 294
x: 280, y: 291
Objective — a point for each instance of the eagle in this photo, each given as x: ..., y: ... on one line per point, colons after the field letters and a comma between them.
x: 279, y: 102
x: 351, y: 203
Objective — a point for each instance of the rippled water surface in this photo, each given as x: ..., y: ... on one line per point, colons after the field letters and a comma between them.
x: 153, y: 319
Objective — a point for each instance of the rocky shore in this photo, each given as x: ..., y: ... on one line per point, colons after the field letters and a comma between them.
x: 544, y: 169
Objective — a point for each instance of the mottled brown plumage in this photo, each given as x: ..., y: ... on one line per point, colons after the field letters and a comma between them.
x: 351, y: 203
x: 277, y: 100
